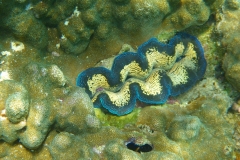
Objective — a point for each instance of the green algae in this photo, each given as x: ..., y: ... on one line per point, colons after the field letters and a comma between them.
x: 108, y: 119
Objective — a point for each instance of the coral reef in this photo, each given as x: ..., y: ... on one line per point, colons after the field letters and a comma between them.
x: 117, y: 150
x: 78, y: 22
x: 80, y: 117
x: 51, y: 101
x: 174, y: 131
x: 43, y: 115
x: 230, y: 40
x: 68, y: 146
x: 191, y: 124
x: 14, y: 109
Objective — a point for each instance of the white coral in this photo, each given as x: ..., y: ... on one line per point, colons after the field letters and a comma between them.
x: 17, y: 46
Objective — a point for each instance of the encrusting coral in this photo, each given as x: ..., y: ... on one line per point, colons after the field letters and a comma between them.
x: 78, y: 20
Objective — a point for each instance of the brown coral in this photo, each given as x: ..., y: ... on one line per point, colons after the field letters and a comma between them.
x: 229, y: 28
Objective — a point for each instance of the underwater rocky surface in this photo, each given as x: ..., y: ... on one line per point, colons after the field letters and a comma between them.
x: 45, y: 44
